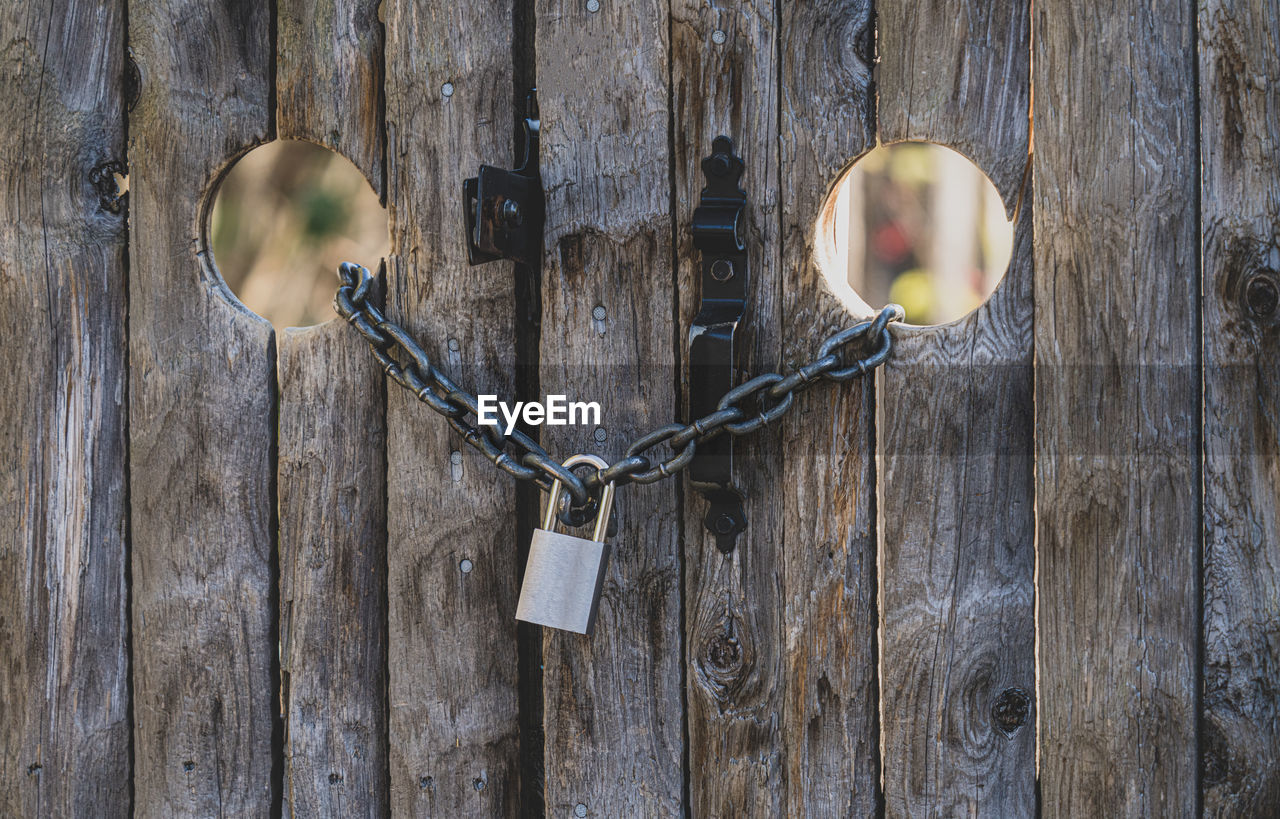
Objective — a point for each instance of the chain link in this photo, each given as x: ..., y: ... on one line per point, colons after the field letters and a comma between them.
x: 744, y: 409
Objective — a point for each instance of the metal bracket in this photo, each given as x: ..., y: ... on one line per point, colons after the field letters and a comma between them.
x: 505, y: 209
x: 718, y: 232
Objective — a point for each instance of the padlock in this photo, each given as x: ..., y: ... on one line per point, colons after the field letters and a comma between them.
x: 564, y: 574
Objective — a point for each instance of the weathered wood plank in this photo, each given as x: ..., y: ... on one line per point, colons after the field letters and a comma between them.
x: 202, y: 426
x: 735, y: 679
x: 454, y: 727
x: 1117, y: 408
x: 64, y: 691
x: 959, y: 73
x: 329, y: 78
x: 1240, y: 192
x: 954, y: 436
x: 332, y: 459
x: 332, y: 574
x: 828, y: 480
x: 613, y: 701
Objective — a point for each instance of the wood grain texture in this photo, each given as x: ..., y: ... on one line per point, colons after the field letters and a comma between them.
x: 332, y: 454
x: 1117, y: 408
x: 1240, y: 211
x: 64, y: 689
x: 828, y: 478
x: 957, y: 558
x: 959, y: 73
x: 955, y: 446
x: 202, y: 425
x: 735, y: 679
x: 613, y: 701
x: 329, y: 78
x: 453, y: 700
x: 332, y: 574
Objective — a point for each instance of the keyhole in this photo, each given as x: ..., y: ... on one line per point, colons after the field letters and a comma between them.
x: 919, y: 225
x: 283, y: 218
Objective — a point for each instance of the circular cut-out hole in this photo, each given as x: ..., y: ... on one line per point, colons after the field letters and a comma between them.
x: 915, y: 224
x: 284, y: 217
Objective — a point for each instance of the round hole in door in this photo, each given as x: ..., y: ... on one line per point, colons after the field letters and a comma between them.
x: 916, y: 224
x: 284, y: 217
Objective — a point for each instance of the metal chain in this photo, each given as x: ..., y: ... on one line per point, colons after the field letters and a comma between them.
x: 769, y: 397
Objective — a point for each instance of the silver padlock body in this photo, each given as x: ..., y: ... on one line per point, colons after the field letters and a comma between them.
x: 562, y: 581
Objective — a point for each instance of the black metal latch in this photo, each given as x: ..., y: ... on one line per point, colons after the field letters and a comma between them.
x: 719, y: 233
x: 505, y: 209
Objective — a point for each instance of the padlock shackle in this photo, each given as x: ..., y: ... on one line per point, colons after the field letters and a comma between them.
x: 606, y: 498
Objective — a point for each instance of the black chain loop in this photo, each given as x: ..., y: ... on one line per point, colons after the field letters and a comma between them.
x: 848, y: 354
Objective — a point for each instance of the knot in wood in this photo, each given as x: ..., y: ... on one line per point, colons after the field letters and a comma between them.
x: 1010, y: 710
x: 724, y: 653
x: 1262, y: 294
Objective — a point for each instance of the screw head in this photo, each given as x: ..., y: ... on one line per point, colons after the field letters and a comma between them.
x: 511, y: 215
x: 722, y: 270
x: 724, y: 524
x: 1262, y: 295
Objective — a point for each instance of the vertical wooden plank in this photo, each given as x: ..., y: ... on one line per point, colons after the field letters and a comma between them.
x: 828, y: 479
x: 955, y: 441
x: 332, y: 458
x: 613, y: 701
x: 454, y: 727
x: 64, y: 689
x: 1117, y: 405
x: 329, y: 78
x: 1240, y: 188
x: 202, y: 426
x: 736, y: 681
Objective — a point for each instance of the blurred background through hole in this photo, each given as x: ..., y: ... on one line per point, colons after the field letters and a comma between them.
x: 920, y: 225
x: 284, y: 217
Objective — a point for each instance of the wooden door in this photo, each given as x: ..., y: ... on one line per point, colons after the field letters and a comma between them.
x: 1027, y: 568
